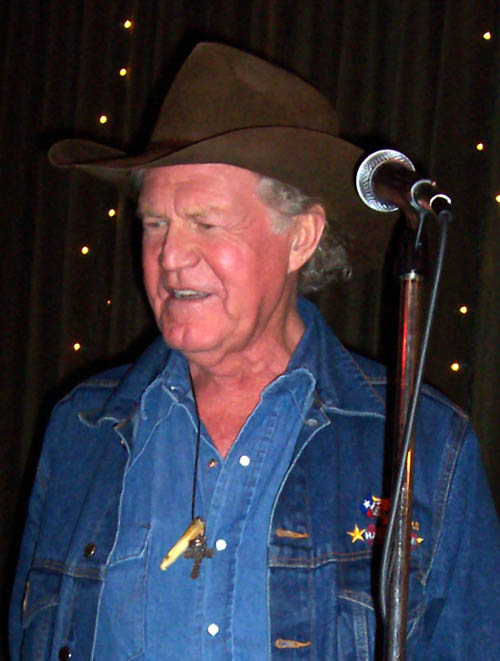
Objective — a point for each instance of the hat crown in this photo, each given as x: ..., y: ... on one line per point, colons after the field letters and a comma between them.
x: 221, y: 89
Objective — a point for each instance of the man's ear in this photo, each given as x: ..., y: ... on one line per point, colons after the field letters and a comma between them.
x: 306, y: 234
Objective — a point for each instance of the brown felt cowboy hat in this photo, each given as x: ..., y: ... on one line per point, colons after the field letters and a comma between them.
x: 226, y: 106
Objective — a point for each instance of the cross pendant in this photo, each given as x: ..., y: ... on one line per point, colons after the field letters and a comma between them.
x: 198, y: 550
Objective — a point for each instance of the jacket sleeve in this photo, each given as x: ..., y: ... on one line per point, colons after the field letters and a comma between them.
x: 30, y: 536
x: 462, y: 617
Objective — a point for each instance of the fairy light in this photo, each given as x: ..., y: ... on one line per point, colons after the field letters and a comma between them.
x: 463, y: 309
x: 77, y: 346
x: 123, y: 71
x: 103, y: 119
x: 127, y: 24
x: 108, y: 302
x: 480, y: 146
x: 497, y: 198
x: 455, y: 367
x: 85, y: 250
x: 486, y: 36
x: 111, y: 213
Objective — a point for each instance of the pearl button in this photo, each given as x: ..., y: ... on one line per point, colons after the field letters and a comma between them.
x: 213, y: 629
x: 312, y: 422
x: 221, y: 544
x: 212, y: 463
x: 244, y: 460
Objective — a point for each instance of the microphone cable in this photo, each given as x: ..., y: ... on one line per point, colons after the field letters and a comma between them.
x: 444, y: 217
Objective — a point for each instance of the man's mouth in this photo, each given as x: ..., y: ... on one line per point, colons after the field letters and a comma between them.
x: 188, y: 294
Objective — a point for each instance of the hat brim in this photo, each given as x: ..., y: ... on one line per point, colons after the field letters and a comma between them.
x: 318, y: 163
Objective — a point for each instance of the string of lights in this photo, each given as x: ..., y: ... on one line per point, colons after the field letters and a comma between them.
x: 113, y: 213
x: 459, y: 365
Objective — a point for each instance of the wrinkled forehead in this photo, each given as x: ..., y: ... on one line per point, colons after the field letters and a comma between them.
x: 209, y: 183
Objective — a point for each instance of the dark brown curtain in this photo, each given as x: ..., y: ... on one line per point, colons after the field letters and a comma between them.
x: 417, y: 76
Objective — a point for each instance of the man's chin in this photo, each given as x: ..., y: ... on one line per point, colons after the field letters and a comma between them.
x: 189, y: 341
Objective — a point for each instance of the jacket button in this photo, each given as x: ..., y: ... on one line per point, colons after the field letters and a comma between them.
x: 88, y: 551
x: 64, y: 654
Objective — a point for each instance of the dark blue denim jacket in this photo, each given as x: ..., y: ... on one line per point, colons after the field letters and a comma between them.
x: 327, y: 523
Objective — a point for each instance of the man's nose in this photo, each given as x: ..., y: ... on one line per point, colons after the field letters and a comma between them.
x: 178, y: 249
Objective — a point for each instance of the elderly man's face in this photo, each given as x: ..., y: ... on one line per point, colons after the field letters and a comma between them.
x: 217, y: 276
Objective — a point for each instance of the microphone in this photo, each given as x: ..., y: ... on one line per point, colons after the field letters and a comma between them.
x: 386, y: 180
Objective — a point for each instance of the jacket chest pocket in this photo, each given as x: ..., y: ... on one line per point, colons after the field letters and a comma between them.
x: 322, y: 604
x: 57, y: 609
x: 61, y: 603
x: 360, y: 631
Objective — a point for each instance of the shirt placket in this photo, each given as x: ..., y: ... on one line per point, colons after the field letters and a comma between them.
x: 225, y: 520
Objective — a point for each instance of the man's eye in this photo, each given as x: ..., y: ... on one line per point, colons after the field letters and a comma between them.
x: 154, y: 224
x: 201, y: 221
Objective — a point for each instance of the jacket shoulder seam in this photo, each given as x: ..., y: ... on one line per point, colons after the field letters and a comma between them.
x: 427, y: 391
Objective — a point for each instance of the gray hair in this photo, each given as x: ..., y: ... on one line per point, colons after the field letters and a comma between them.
x: 136, y: 179
x: 330, y: 261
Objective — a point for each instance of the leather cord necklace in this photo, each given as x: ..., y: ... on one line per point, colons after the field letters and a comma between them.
x: 192, y: 543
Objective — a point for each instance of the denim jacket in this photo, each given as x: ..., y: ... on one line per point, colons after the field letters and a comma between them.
x: 327, y: 524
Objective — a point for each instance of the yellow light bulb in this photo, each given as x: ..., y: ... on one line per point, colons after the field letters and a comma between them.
x: 497, y: 198
x: 455, y: 367
x: 77, y: 346
x: 463, y: 309
x: 103, y: 119
x: 85, y: 250
x: 108, y: 302
x: 111, y: 212
x: 480, y: 146
x: 487, y: 36
x: 127, y: 24
x: 123, y: 71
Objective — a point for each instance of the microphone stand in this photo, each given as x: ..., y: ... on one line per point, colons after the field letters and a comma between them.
x: 411, y: 271
x: 411, y: 343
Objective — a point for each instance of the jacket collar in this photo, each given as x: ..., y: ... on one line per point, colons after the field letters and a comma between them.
x: 126, y: 396
x: 344, y: 381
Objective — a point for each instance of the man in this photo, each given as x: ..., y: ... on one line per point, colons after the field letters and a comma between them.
x: 247, y: 422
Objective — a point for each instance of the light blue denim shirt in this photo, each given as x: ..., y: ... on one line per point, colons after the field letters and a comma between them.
x: 223, y: 613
